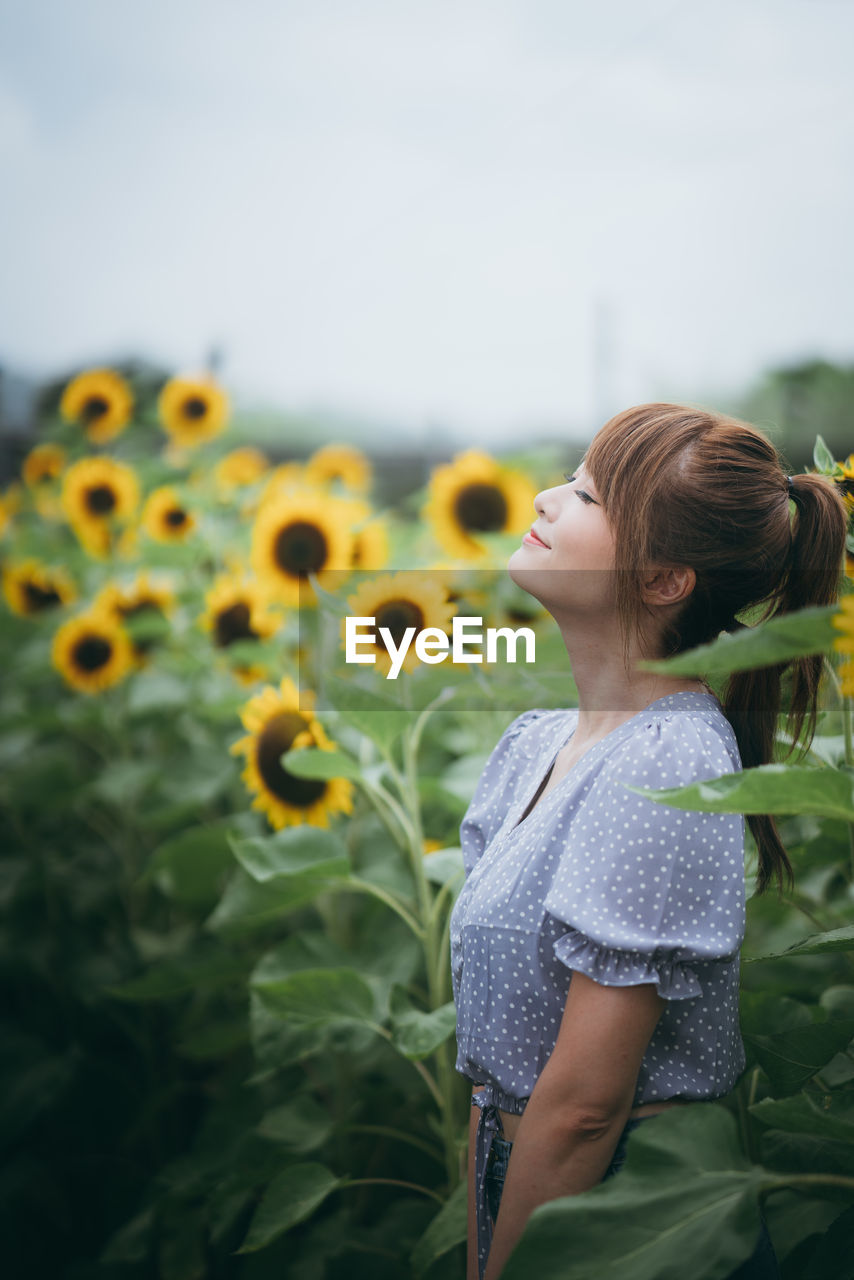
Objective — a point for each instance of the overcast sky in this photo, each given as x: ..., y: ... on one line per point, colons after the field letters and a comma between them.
x: 499, y: 216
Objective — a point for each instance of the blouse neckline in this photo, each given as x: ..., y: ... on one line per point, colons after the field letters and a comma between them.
x: 531, y: 797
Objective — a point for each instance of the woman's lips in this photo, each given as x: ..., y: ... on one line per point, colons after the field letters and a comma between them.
x: 533, y: 541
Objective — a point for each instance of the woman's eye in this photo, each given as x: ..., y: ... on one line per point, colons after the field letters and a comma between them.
x: 582, y: 495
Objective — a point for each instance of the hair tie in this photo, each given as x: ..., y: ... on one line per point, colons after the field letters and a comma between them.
x: 790, y: 482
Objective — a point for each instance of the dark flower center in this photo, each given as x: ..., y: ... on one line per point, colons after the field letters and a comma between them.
x: 175, y: 517
x: 92, y: 652
x: 100, y: 499
x: 275, y: 739
x: 194, y: 407
x: 300, y: 548
x: 233, y: 624
x: 94, y: 407
x: 396, y: 616
x: 481, y: 508
x: 37, y: 598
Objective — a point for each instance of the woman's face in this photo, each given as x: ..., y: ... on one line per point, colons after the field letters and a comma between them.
x: 567, y: 559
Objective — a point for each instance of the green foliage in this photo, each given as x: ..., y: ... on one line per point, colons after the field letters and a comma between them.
x: 230, y: 1049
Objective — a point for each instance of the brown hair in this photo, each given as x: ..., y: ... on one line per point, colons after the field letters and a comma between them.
x: 687, y: 486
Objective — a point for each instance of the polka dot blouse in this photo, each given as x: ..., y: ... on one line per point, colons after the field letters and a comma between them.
x: 608, y: 883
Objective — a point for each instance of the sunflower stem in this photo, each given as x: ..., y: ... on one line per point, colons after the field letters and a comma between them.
x: 845, y: 710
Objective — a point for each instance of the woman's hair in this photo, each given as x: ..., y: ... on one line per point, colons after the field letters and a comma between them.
x: 686, y: 486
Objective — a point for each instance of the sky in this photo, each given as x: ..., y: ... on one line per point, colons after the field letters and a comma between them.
x: 496, y: 219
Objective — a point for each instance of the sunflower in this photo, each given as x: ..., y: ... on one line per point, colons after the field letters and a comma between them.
x: 31, y: 587
x: 238, y: 609
x: 96, y: 492
x: 298, y: 534
x: 276, y: 724
x: 370, y: 536
x: 239, y: 468
x: 11, y: 502
x: 285, y: 479
x: 43, y: 463
x: 397, y: 601
x: 165, y: 517
x: 92, y: 652
x: 473, y: 495
x: 339, y: 463
x: 845, y: 482
x: 192, y: 410
x: 140, y: 598
x: 99, y: 400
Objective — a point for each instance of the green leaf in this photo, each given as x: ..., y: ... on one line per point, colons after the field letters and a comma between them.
x: 156, y: 691
x: 792, y: 1057
x: 685, y: 1203
x: 311, y: 762
x: 302, y: 1125
x: 448, y: 1229
x: 776, y: 641
x: 833, y: 1257
x: 247, y: 905
x: 822, y: 457
x: 768, y: 788
x: 122, y: 782
x: 290, y: 1198
x: 814, y: 945
x: 318, y: 997
x: 292, y: 851
x: 192, y: 866
x: 443, y: 866
x: 416, y: 1034
x: 800, y: 1114
x: 377, y: 717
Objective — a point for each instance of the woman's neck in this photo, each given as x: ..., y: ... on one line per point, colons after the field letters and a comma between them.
x: 607, y: 696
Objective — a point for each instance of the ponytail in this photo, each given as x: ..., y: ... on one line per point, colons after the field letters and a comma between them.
x: 751, y: 699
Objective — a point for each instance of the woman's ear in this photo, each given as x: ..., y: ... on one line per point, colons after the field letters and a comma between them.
x: 668, y: 586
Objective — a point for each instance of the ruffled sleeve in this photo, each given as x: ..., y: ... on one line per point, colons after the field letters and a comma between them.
x: 494, y: 789
x: 645, y: 892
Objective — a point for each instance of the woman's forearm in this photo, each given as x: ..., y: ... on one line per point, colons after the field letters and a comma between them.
x: 471, y: 1246
x: 549, y: 1158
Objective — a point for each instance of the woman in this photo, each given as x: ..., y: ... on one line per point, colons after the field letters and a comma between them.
x: 595, y: 943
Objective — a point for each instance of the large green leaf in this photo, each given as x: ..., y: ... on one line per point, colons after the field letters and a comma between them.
x: 684, y: 1204
x: 311, y: 762
x: 801, y: 1114
x: 290, y: 1198
x: 816, y: 944
x: 415, y: 1033
x: 319, y: 998
x: 448, y: 1229
x: 769, y: 788
x: 792, y: 1057
x: 292, y: 851
x: 247, y: 905
x: 777, y: 641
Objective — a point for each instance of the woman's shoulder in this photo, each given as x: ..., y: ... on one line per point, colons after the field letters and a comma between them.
x: 682, y: 736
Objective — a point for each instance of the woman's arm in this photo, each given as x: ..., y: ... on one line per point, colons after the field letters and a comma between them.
x: 471, y: 1238
x: 580, y: 1103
